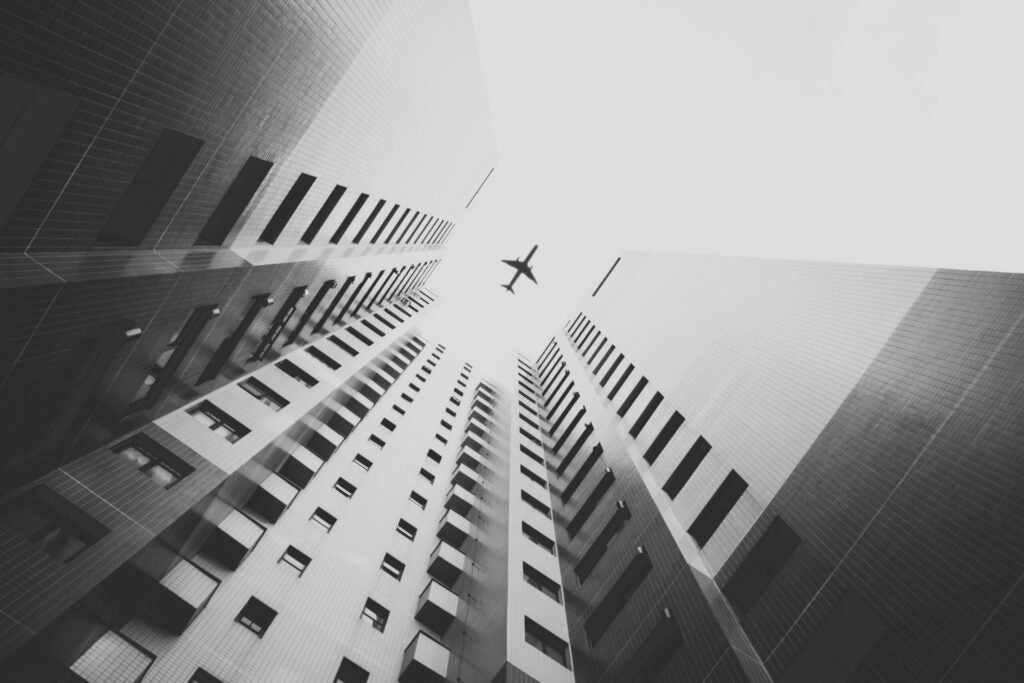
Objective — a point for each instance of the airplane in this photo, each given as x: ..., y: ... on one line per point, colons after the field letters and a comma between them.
x: 522, y: 268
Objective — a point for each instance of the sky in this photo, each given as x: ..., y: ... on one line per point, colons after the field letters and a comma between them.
x: 866, y: 131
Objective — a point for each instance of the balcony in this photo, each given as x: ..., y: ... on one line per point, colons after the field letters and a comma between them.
x: 437, y: 608
x: 464, y: 477
x: 461, y: 501
x: 300, y: 466
x: 446, y: 564
x: 425, y: 661
x: 454, y: 529
x: 233, y: 539
x: 113, y: 658
x: 272, y: 497
x: 180, y: 596
x: 469, y: 459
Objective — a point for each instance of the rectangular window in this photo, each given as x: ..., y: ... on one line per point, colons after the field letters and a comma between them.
x: 350, y: 672
x: 427, y: 475
x: 375, y: 615
x: 449, y: 412
x: 162, y: 371
x: 675, y: 421
x: 345, y: 487
x: 538, y: 538
x: 342, y: 345
x: 440, y: 438
x: 359, y: 335
x: 298, y: 374
x: 617, y: 596
x: 621, y: 382
x: 323, y: 357
x: 764, y: 561
x: 323, y: 518
x: 296, y: 559
x: 535, y: 478
x: 686, y: 467
x: 590, y: 504
x: 219, y: 422
x: 152, y: 186
x: 153, y: 460
x: 598, y: 548
x: 434, y: 455
x: 392, y: 567
x: 323, y: 213
x: 418, y: 499
x: 542, y: 583
x: 535, y: 504
x: 446, y: 424
x: 414, y: 387
x: 633, y: 395
x: 645, y: 416
x: 256, y: 616
x: 287, y: 207
x: 370, y: 326
x: 237, y: 197
x: 406, y: 529
x: 363, y: 462
x: 262, y: 393
x: 715, y: 512
x: 547, y: 642
x: 581, y: 473
x: 387, y: 424
x: 530, y: 454
x: 398, y: 409
x: 407, y: 398
x: 377, y: 441
x: 54, y: 524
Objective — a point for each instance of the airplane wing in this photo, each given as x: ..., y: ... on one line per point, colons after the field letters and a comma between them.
x: 518, y: 265
x: 528, y: 272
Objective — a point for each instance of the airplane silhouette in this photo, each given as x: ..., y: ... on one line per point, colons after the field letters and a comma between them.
x: 522, y: 268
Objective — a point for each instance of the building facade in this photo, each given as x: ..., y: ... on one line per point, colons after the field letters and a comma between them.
x: 771, y: 470
x: 189, y: 187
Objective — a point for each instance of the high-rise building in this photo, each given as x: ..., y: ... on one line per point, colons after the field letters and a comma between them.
x: 189, y: 187
x: 771, y: 470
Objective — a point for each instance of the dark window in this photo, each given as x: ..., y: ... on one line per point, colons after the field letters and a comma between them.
x: 392, y: 567
x: 323, y: 357
x: 530, y: 454
x: 547, y: 642
x: 296, y: 559
x: 532, y: 476
x: 446, y: 424
x: 535, y: 504
x: 538, y: 538
x: 231, y: 206
x: 418, y: 499
x: 450, y: 412
x: 406, y: 529
x: 407, y: 397
x: 598, y: 548
x: 840, y: 644
x: 347, y: 221
x: 427, y: 475
x: 387, y: 424
x: 323, y: 213
x: 617, y: 596
x: 219, y: 422
x: 655, y: 652
x: 581, y: 473
x: 434, y: 455
x: 262, y: 393
x: 398, y: 409
x: 631, y: 399
x: 297, y: 373
x: 345, y: 487
x: 686, y: 467
x: 440, y: 438
x: 645, y: 416
x: 542, y: 583
x: 379, y: 442
x: 766, y: 559
x: 342, y: 345
x: 359, y: 335
x: 161, y: 372
x: 675, y: 421
x: 714, y: 513
x: 57, y: 526
x: 152, y: 186
x: 372, y: 328
x: 227, y: 346
x: 256, y: 616
x: 590, y: 504
x: 324, y: 518
x: 532, y: 438
x: 375, y: 615
x: 153, y: 460
x: 203, y: 676
x: 363, y: 462
x: 350, y: 672
x: 622, y: 381
x: 287, y: 207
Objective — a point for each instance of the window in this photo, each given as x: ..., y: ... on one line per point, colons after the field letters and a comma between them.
x: 387, y: 424
x: 590, y: 504
x: 296, y: 559
x: 434, y: 455
x: 350, y: 672
x: 297, y: 373
x: 675, y: 421
x: 153, y: 460
x: 256, y: 616
x: 631, y: 399
x: 392, y: 567
x: 427, y: 475
x: 598, y: 548
x: 414, y: 387
x: 345, y: 487
x: 686, y: 467
x: 398, y: 409
x: 542, y: 583
x: 375, y: 615
x: 323, y: 213
x: 645, y: 416
x: 617, y: 596
x: 418, y: 499
x: 535, y: 504
x: 342, y: 345
x: 407, y: 397
x: 535, y: 478
x: 324, y: 518
x: 530, y: 454
x: 759, y: 568
x: 538, y: 538
x: 166, y: 365
x: 264, y: 394
x: 421, y: 378
x: 203, y: 676
x: 359, y: 335
x: 546, y: 641
x: 219, y: 422
x: 440, y: 438
x: 449, y: 412
x: 363, y: 462
x: 237, y: 197
x: 57, y: 526
x: 287, y: 207
x: 377, y: 440
x: 446, y: 424
x: 323, y: 357
x: 715, y: 512
x: 406, y: 529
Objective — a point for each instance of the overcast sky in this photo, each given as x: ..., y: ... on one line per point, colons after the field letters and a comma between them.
x: 873, y: 131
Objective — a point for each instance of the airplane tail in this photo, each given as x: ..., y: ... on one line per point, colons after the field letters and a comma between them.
x: 508, y: 287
